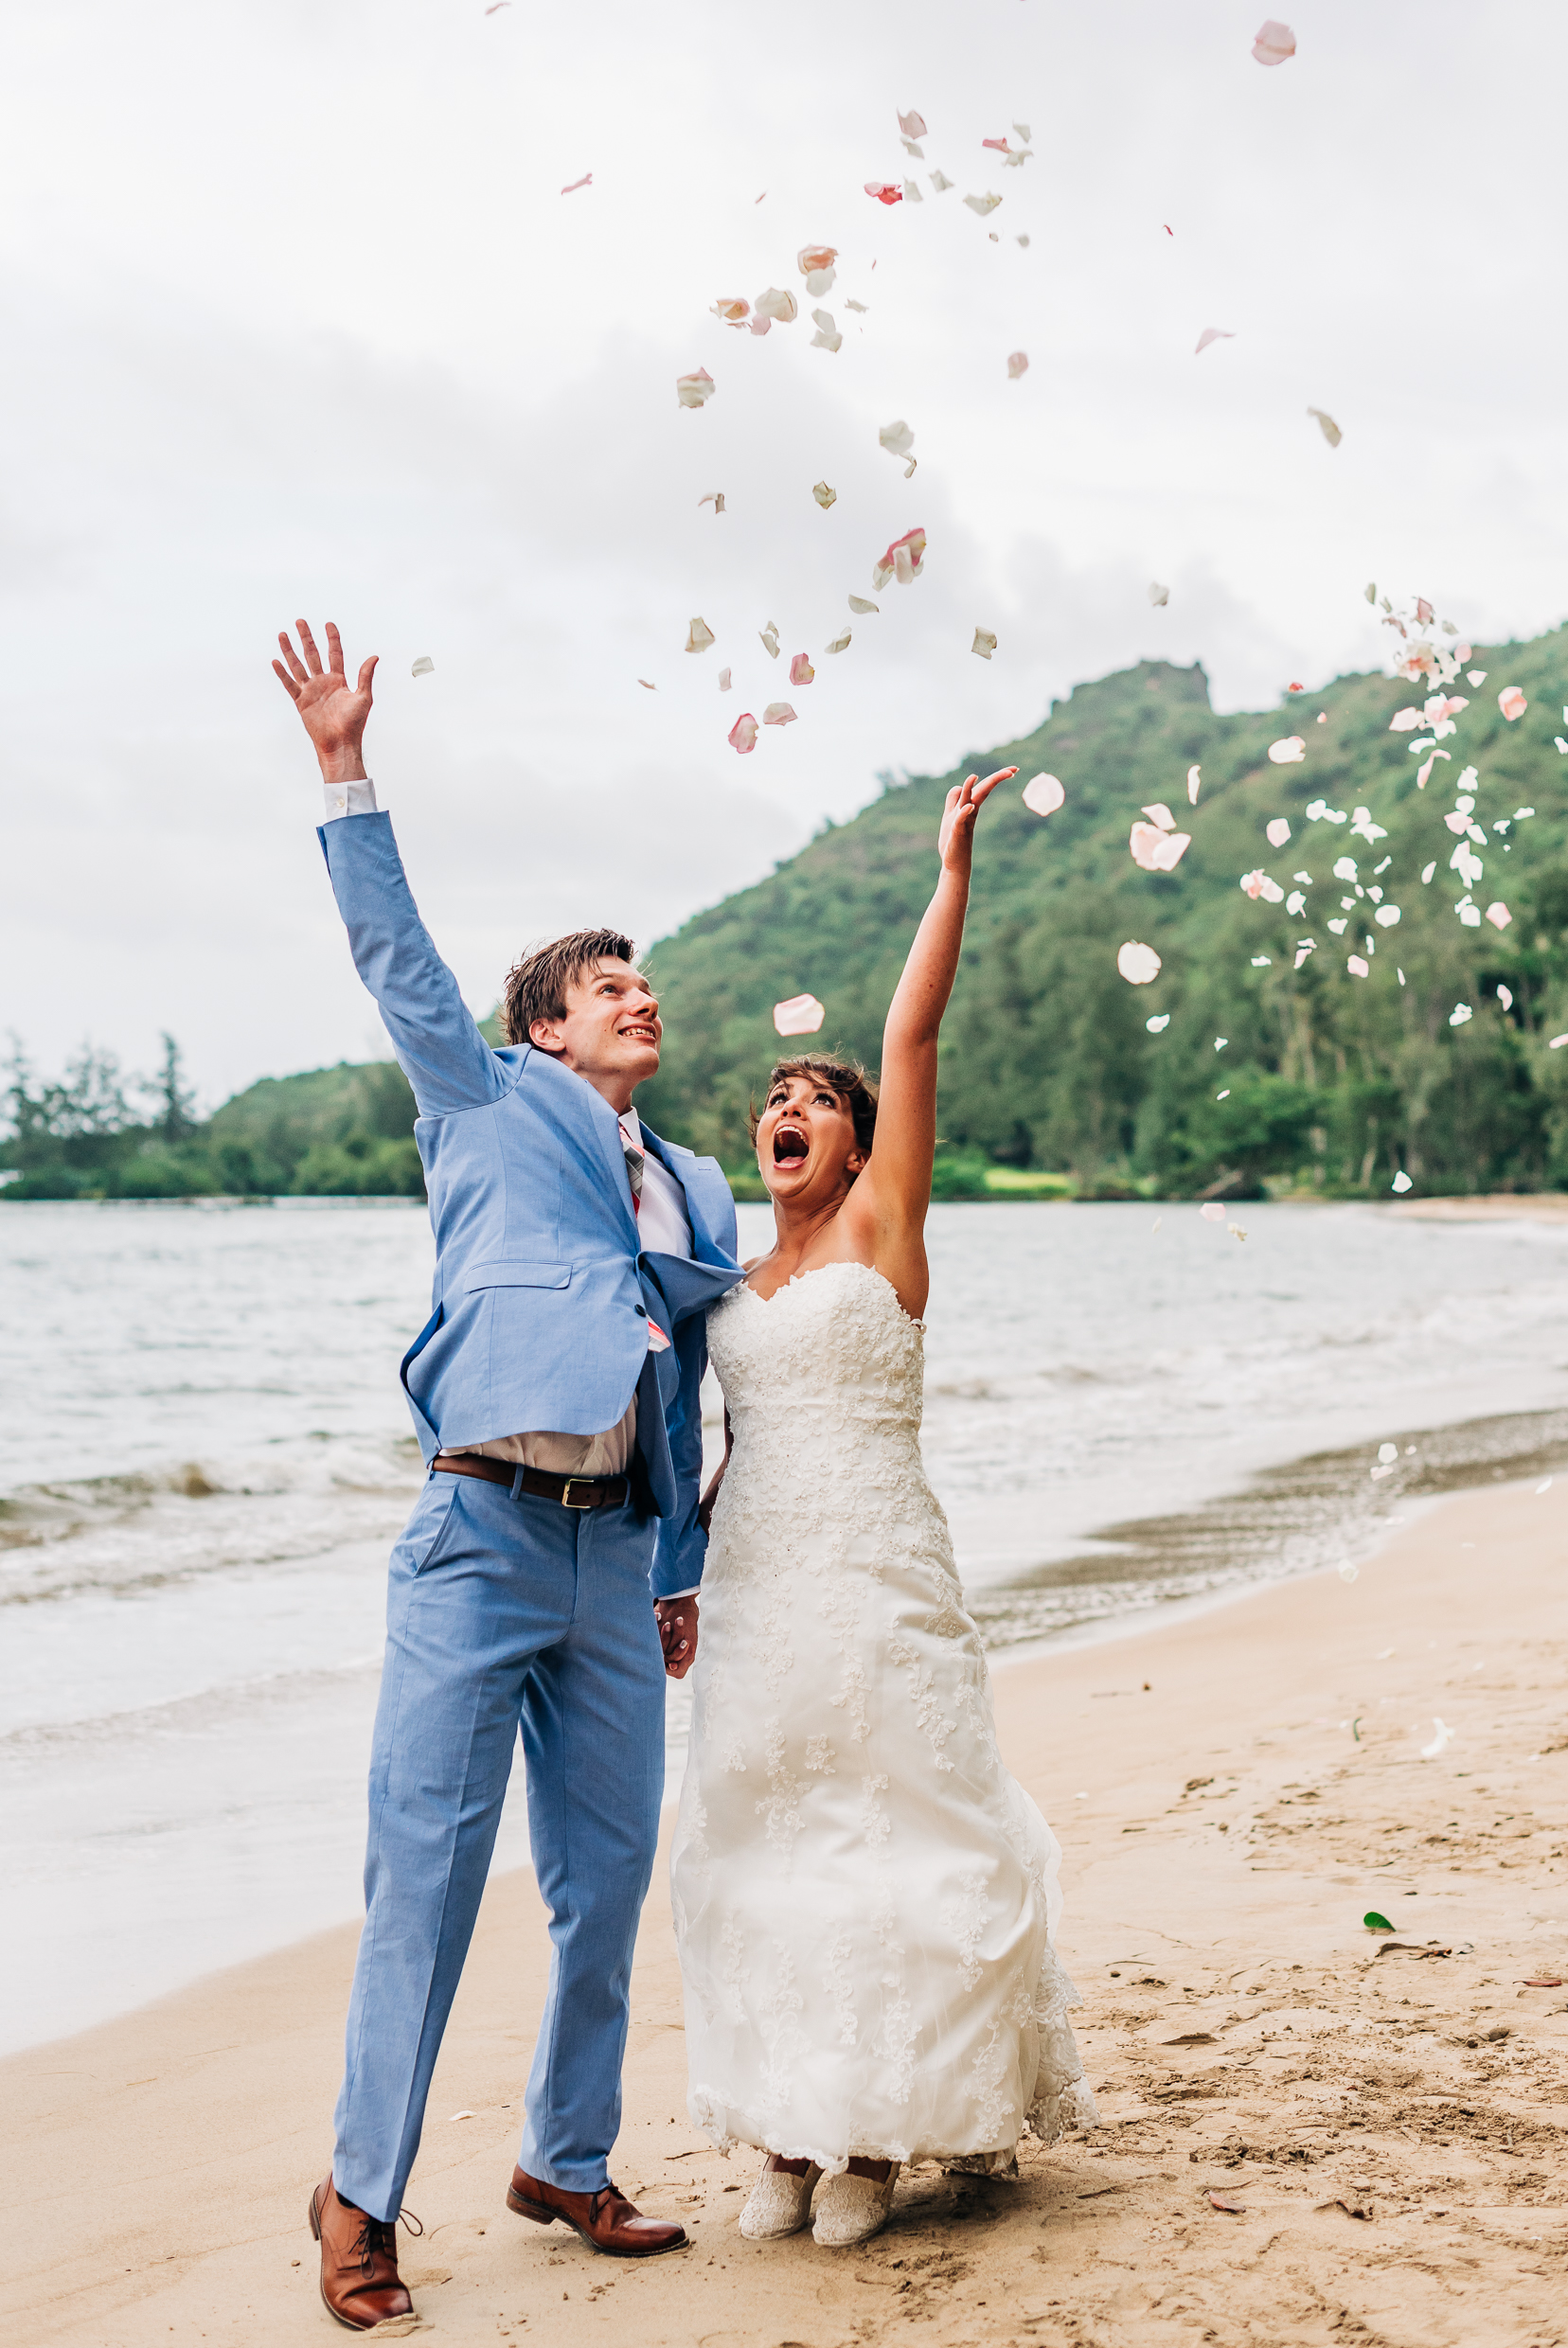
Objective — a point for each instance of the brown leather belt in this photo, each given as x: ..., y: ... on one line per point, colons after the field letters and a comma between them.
x: 571, y: 1491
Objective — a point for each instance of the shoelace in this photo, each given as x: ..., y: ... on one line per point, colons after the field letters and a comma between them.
x: 380, y: 2235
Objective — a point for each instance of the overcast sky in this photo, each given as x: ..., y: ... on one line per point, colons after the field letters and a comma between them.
x: 297, y: 320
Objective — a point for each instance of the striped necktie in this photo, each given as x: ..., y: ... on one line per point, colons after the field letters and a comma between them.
x: 635, y: 1171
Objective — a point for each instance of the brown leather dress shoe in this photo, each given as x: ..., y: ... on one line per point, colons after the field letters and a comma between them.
x: 606, y: 2220
x: 359, y: 2262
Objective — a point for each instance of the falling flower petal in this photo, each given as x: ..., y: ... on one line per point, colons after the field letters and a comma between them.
x: 714, y: 498
x: 1504, y: 996
x: 1257, y: 884
x: 862, y: 306
x: 777, y: 302
x: 1000, y: 144
x: 1195, y: 777
x: 1356, y: 967
x: 826, y: 336
x: 1159, y: 813
x: 1043, y: 794
x: 1386, y: 916
x: 1158, y: 594
x: 1404, y: 722
x: 1214, y: 334
x: 912, y: 192
x: 911, y: 124
x: 1277, y: 832
x: 897, y: 440
x: 982, y: 204
x: 1512, y: 702
x: 724, y: 680
x: 586, y: 180
x: 812, y: 259
x: 861, y: 603
x: 1158, y: 1025
x: 1213, y: 1211
x: 940, y: 180
x: 1557, y: 1043
x: 840, y: 643
x: 801, y: 671
x: 691, y: 390
x: 1017, y: 157
x: 1427, y: 871
x: 647, y: 685
x: 1139, y: 965
x: 1155, y: 851
x: 1274, y: 44
x: 985, y: 643
x: 802, y: 1014
x: 699, y: 637
x: 1018, y: 362
x: 1476, y: 676
x: 1499, y: 916
x: 742, y: 734
x: 423, y: 666
x: 769, y: 637
x: 1288, y: 752
x: 884, y: 191
x: 901, y: 561
x: 824, y: 496
x: 1460, y: 1013
x: 731, y: 308
x: 1401, y: 1183
x: 1331, y: 431
x: 778, y: 713
x: 761, y: 326
x: 913, y: 147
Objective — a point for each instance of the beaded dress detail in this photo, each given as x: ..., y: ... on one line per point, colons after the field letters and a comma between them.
x: 865, y: 1899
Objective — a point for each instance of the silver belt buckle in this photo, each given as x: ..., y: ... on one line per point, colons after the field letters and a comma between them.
x: 566, y: 1500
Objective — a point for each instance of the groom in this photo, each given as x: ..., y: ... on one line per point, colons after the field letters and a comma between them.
x: 555, y: 1390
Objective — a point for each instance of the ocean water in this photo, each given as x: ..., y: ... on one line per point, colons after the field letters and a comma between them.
x: 204, y: 1456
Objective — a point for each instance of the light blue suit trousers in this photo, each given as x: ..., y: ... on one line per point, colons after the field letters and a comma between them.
x: 505, y: 1612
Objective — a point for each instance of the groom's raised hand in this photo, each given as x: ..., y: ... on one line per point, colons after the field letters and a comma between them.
x: 677, y: 1621
x: 333, y: 711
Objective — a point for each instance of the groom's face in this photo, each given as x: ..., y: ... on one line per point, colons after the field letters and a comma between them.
x: 611, y: 1029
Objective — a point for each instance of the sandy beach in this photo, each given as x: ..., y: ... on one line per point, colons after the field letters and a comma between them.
x: 1308, y: 2133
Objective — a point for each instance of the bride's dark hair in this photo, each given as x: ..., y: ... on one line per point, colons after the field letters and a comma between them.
x: 847, y: 1077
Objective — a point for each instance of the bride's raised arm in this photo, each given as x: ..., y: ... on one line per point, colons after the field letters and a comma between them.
x: 890, y: 1200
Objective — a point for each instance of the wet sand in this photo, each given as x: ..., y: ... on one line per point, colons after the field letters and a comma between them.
x: 1386, y: 2125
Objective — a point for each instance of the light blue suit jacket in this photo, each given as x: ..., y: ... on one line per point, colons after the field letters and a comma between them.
x: 541, y: 1294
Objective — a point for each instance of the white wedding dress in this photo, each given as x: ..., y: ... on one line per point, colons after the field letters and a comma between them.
x: 865, y: 1899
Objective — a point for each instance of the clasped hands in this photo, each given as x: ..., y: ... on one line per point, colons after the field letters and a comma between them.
x: 677, y: 1621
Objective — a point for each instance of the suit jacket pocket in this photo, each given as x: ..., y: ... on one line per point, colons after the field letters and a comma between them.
x: 516, y: 1271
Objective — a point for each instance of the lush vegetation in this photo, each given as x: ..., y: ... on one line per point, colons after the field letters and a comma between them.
x: 1051, y: 1081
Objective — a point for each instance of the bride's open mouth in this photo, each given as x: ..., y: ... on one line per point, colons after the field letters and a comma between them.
x: 789, y: 1145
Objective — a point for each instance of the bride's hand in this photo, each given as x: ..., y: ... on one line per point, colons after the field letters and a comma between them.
x: 956, y: 841
x: 677, y: 1621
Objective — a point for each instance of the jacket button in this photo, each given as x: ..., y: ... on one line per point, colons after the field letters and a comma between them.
x: 640, y: 1313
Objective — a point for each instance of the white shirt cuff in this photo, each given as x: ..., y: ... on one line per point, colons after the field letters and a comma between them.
x: 350, y: 799
x: 672, y: 1595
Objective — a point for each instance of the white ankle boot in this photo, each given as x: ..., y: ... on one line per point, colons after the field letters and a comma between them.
x: 853, y: 2208
x: 779, y: 2204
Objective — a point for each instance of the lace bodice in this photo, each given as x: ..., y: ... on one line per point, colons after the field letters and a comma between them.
x: 863, y: 1896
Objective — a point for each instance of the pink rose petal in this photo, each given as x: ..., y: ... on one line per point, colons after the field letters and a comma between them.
x: 902, y: 559
x: 731, y: 308
x: 691, y: 390
x: 1288, y: 752
x: 586, y: 180
x: 1214, y: 334
x: 1043, y: 794
x: 1277, y: 832
x: 1512, y: 702
x: 777, y: 302
x: 801, y: 671
x: 1139, y: 965
x: 1274, y: 44
x: 1195, y: 777
x: 1000, y: 144
x: 724, y: 680
x: 802, y: 1014
x: 1405, y: 721
x: 699, y: 637
x: 1424, y: 613
x: 1159, y: 813
x: 1356, y: 967
x: 1017, y: 364
x: 742, y: 734
x: 884, y: 191
x: 778, y: 713
x: 1499, y: 916
x: 1213, y: 1211
x: 911, y: 124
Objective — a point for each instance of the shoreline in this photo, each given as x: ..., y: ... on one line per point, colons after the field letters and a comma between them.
x: 1248, y: 2040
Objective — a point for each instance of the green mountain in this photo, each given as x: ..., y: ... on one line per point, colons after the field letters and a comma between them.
x: 1050, y: 1078
x: 1330, y: 1080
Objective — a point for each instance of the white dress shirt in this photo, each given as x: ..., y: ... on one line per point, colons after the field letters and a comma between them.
x: 662, y: 1226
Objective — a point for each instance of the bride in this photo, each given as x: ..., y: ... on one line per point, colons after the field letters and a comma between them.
x: 865, y: 1899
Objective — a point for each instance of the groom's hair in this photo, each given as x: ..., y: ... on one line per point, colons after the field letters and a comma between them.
x: 536, y: 987
x: 847, y: 1077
